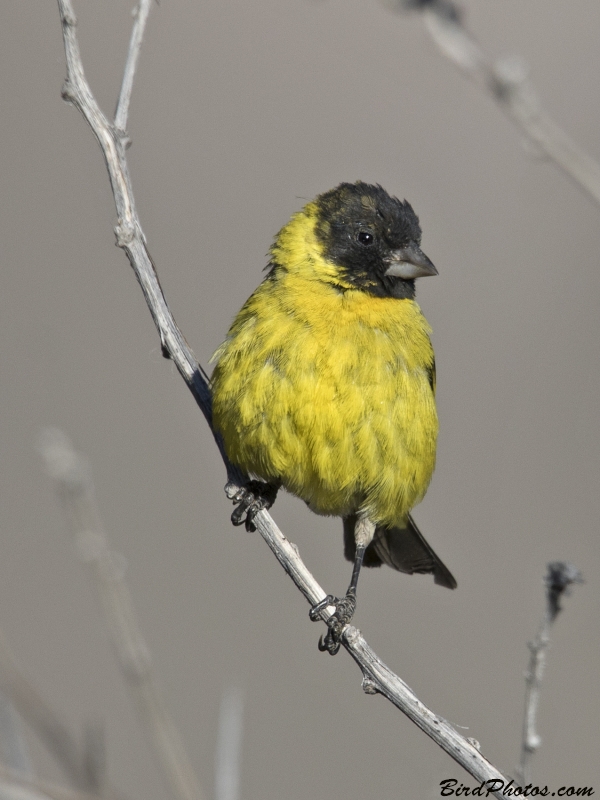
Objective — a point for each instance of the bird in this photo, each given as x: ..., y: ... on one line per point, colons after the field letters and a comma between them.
x: 325, y: 383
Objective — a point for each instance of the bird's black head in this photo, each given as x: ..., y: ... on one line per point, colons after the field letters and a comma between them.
x: 373, y: 238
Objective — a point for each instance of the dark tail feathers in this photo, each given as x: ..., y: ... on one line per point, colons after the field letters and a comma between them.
x: 404, y: 549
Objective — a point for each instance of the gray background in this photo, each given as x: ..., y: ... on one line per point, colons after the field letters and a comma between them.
x: 241, y: 112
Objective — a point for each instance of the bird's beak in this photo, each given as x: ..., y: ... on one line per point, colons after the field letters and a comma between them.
x: 410, y: 262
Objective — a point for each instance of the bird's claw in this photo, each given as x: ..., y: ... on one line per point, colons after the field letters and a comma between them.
x: 344, y: 611
x: 315, y: 612
x: 249, y: 500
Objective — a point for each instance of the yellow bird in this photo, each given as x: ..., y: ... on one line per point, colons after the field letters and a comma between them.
x: 325, y: 384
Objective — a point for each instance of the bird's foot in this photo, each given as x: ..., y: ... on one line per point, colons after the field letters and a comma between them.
x: 344, y: 611
x: 249, y: 500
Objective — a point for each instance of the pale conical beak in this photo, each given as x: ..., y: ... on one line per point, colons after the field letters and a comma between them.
x: 410, y: 262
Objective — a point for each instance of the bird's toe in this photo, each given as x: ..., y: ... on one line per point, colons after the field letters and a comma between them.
x: 249, y: 500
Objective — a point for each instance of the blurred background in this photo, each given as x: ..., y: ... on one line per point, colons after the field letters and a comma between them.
x: 241, y: 112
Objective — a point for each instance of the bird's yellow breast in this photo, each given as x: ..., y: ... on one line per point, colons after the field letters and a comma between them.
x: 328, y: 389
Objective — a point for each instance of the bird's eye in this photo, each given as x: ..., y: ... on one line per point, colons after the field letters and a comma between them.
x: 365, y: 238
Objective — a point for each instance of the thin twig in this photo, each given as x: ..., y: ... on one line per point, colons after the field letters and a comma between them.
x: 140, y: 12
x: 507, y: 82
x: 128, y: 231
x: 559, y: 578
x: 376, y: 676
x: 41, y: 717
x: 73, y: 478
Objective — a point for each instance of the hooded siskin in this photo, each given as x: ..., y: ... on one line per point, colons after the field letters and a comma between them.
x: 325, y: 383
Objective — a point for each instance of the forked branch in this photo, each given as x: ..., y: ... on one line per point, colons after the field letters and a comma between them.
x: 377, y: 678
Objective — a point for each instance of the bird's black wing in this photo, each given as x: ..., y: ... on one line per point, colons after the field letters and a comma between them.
x: 431, y: 376
x: 404, y: 549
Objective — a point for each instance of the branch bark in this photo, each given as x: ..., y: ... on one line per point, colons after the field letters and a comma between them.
x: 377, y: 678
x: 140, y: 13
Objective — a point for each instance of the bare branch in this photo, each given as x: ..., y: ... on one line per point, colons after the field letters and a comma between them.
x: 376, y: 676
x: 507, y: 82
x: 128, y: 231
x: 74, y: 481
x: 140, y: 12
x: 560, y: 577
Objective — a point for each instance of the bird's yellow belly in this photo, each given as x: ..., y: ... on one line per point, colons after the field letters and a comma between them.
x: 337, y: 406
